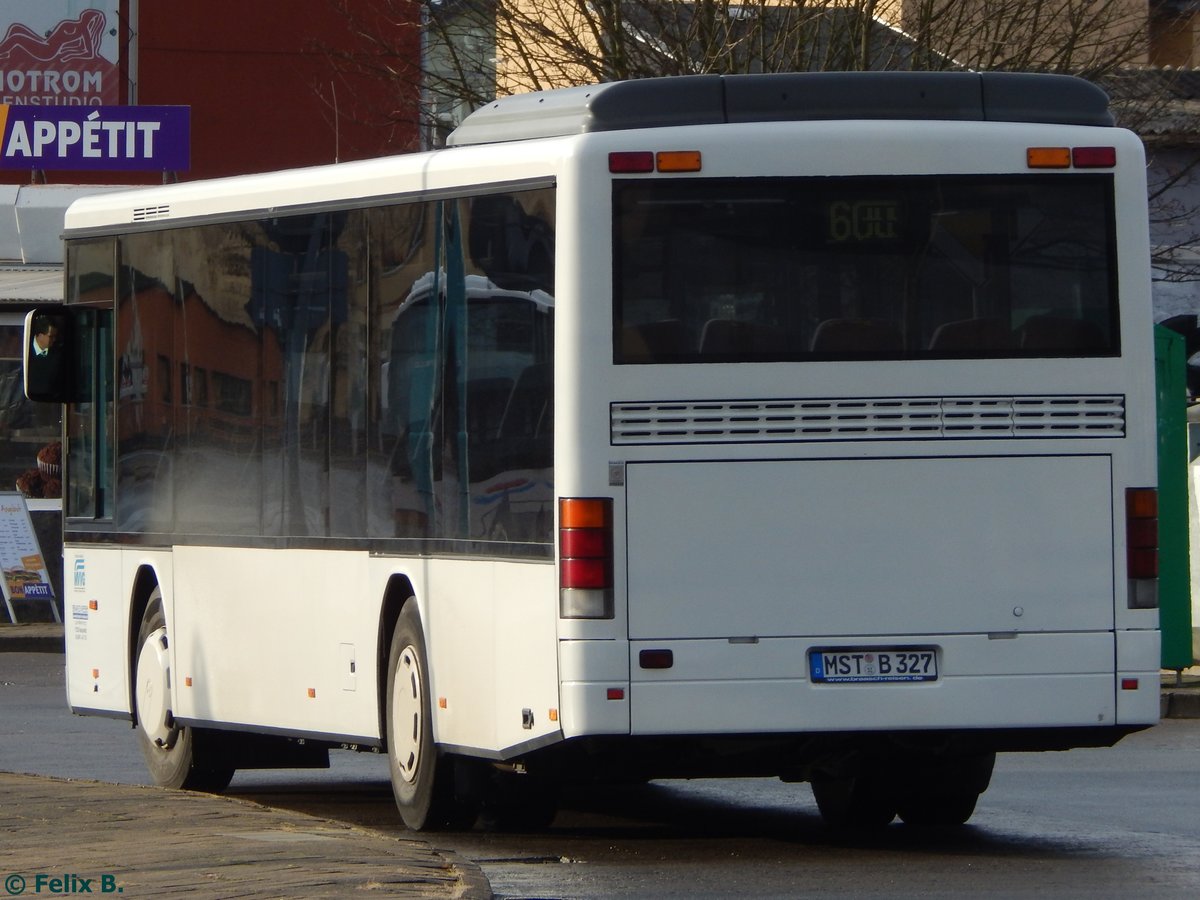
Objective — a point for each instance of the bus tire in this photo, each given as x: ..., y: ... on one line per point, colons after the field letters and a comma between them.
x: 946, y: 797
x: 520, y: 803
x: 177, y: 756
x: 422, y: 779
x: 853, y: 802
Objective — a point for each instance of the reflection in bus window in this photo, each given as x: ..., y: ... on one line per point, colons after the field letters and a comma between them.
x: 25, y: 426
x: 89, y: 419
x: 370, y: 373
x: 764, y: 269
x: 468, y: 395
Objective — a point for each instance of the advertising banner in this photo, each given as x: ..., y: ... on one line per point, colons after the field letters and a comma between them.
x: 107, y: 138
x: 60, y: 53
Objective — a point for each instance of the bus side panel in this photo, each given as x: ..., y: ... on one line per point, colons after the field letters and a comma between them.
x: 96, y: 626
x: 1139, y: 655
x: 281, y: 639
x: 491, y: 640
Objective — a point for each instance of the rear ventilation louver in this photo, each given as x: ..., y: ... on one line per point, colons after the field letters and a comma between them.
x: 148, y: 213
x: 867, y: 419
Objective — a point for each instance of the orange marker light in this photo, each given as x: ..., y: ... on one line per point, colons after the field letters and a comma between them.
x: 312, y: 693
x: 1048, y: 157
x: 678, y: 161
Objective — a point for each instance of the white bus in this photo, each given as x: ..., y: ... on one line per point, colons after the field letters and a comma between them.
x: 787, y: 425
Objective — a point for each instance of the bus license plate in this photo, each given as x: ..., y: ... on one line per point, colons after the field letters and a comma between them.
x: 873, y: 664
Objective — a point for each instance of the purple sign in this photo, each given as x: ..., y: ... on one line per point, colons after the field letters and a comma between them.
x: 105, y: 138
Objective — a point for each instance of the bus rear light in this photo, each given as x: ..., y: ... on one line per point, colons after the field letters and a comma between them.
x: 678, y: 161
x: 1129, y: 684
x: 1141, y: 503
x: 656, y: 659
x: 1141, y: 546
x: 633, y: 162
x: 585, y: 558
x: 1065, y: 157
x: 584, y: 512
x: 1048, y: 157
x: 1094, y: 157
x: 580, y: 604
x: 1143, y: 562
x: 630, y: 162
x: 585, y: 574
x: 583, y: 542
x: 1143, y: 533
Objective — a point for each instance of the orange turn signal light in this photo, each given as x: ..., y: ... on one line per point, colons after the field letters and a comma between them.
x: 678, y: 161
x: 583, y: 512
x: 1048, y: 157
x: 1141, y: 503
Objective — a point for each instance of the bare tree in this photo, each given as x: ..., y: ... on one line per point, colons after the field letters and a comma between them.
x: 474, y: 50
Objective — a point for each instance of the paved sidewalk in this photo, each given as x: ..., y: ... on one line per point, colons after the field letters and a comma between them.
x: 37, y: 637
x: 1181, y: 695
x: 151, y: 842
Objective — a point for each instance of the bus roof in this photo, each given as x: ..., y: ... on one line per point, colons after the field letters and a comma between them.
x: 797, y: 96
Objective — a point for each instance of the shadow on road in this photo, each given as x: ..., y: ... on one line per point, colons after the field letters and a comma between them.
x: 672, y: 811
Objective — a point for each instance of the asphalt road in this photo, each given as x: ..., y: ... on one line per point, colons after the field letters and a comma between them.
x: 1111, y: 823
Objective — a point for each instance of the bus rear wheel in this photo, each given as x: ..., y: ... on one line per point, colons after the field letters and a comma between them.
x: 422, y: 779
x: 945, y: 796
x: 176, y: 755
x: 854, y: 802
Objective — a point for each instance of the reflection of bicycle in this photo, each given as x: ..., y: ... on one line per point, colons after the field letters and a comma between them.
x: 502, y: 522
x: 499, y: 523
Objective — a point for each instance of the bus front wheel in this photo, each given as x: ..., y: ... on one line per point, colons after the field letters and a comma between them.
x: 422, y: 780
x: 176, y: 755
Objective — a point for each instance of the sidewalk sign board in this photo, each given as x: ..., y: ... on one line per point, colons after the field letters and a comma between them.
x: 25, y: 574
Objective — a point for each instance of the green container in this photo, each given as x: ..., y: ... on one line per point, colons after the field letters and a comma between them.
x: 1174, y: 568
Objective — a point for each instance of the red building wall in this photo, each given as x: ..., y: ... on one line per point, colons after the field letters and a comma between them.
x: 263, y: 85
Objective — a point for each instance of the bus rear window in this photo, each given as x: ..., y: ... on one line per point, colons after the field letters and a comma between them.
x: 789, y: 269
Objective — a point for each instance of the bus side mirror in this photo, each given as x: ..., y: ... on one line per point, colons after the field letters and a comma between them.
x: 47, y: 354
